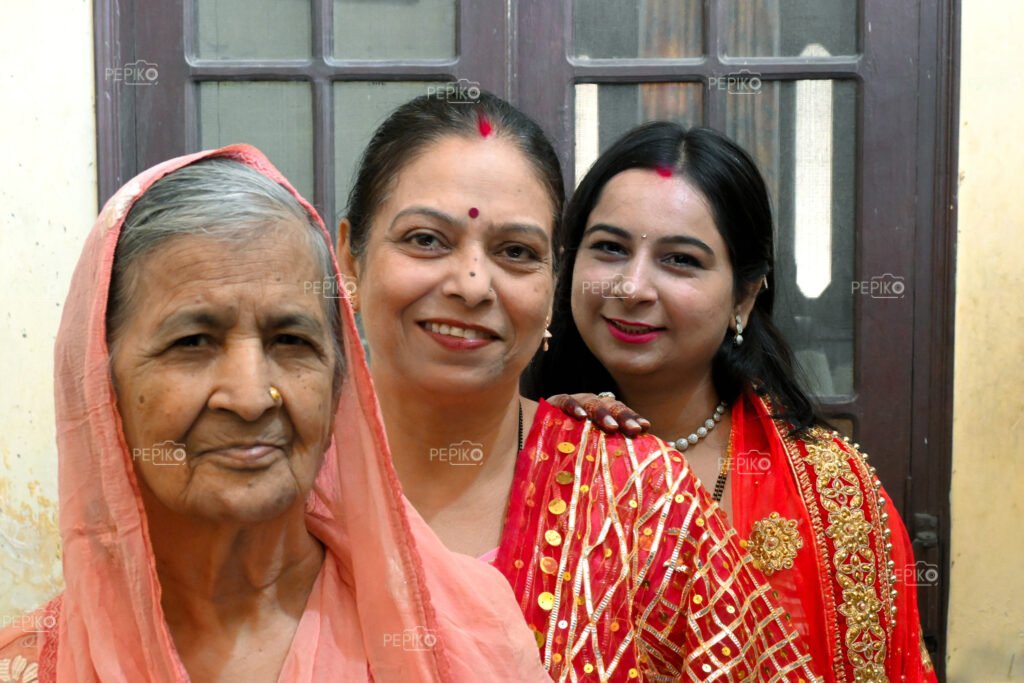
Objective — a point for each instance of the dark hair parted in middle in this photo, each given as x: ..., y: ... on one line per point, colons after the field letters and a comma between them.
x: 736, y: 193
x: 416, y: 125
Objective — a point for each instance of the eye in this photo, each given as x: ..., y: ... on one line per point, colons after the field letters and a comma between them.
x: 609, y: 248
x: 683, y: 260
x: 292, y: 340
x: 520, y: 252
x: 427, y: 241
x: 191, y: 341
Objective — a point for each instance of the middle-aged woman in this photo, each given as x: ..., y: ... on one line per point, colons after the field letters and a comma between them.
x: 228, y: 508
x: 619, y: 562
x: 667, y: 301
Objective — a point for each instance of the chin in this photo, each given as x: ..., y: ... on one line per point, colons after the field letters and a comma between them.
x: 247, y: 506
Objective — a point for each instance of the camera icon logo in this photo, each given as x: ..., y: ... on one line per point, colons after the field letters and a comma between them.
x: 462, y: 91
x: 164, y: 454
x: 617, y: 288
x: 751, y: 462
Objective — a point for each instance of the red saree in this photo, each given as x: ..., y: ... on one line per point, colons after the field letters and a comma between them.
x: 821, y: 527
x: 626, y: 571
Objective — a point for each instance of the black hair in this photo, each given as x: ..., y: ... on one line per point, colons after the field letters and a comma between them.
x: 729, y: 179
x: 423, y: 121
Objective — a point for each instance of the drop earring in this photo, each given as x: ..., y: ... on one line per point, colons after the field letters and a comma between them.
x: 738, y: 339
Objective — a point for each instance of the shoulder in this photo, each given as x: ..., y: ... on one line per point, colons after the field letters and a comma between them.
x: 28, y: 645
x: 834, y: 462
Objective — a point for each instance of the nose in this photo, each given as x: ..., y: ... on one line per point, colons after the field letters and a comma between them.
x: 635, y: 284
x: 243, y: 381
x: 470, y: 278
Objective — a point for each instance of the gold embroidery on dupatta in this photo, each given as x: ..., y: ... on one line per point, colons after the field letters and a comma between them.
x: 773, y: 543
x: 854, y: 559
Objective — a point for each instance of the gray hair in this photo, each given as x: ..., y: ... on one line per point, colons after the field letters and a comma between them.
x: 219, y: 198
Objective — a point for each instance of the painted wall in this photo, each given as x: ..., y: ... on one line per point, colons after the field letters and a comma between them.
x: 47, y: 204
x: 986, y: 622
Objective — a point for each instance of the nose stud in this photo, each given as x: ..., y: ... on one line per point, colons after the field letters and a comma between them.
x: 275, y: 394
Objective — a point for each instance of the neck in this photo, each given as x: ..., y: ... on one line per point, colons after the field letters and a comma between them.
x: 445, y: 445
x: 217, y: 573
x: 674, y: 409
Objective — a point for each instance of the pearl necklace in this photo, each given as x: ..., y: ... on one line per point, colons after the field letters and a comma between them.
x: 685, y: 442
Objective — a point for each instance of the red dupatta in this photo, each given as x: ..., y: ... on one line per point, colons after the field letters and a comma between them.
x: 625, y: 569
x: 821, y: 527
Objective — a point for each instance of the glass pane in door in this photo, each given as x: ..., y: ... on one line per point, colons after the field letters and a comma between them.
x: 395, y: 29
x: 803, y: 136
x: 276, y: 117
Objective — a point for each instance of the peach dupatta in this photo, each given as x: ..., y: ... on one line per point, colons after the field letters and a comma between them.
x: 390, y: 603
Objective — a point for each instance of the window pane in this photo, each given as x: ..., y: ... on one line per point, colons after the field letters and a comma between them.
x: 253, y: 29
x: 803, y: 135
x: 275, y: 117
x: 648, y: 29
x: 359, y: 107
x: 605, y: 112
x: 394, y: 29
x: 775, y: 28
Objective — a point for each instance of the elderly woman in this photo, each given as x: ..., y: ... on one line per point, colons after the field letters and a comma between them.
x: 228, y: 507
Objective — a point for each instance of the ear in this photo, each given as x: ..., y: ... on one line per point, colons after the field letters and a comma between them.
x: 745, y: 304
x: 347, y: 261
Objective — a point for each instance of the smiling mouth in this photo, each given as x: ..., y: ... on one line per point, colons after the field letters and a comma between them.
x: 633, y: 328
x: 456, y: 331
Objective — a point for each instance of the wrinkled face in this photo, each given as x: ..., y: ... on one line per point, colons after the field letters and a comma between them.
x: 456, y: 282
x: 652, y: 284
x: 212, y: 326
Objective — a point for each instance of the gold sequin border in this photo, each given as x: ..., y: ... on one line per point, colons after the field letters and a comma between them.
x: 863, y: 639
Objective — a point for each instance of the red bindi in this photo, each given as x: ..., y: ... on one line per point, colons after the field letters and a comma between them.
x: 664, y: 171
x: 484, y: 125
x: 474, y: 212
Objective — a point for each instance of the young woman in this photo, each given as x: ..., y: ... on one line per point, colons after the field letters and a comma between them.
x: 620, y: 564
x: 667, y: 301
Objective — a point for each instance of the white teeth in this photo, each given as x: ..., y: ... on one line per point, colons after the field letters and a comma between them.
x: 453, y: 331
x: 630, y: 328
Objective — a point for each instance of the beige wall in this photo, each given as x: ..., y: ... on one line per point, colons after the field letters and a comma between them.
x: 47, y: 203
x: 986, y: 622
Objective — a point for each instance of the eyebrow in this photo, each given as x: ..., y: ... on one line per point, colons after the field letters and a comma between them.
x: 298, y: 320
x: 673, y: 239
x: 186, y: 317
x: 423, y: 211
x: 206, y: 319
x: 529, y: 228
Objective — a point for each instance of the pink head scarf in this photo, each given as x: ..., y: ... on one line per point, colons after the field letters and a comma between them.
x: 390, y: 603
